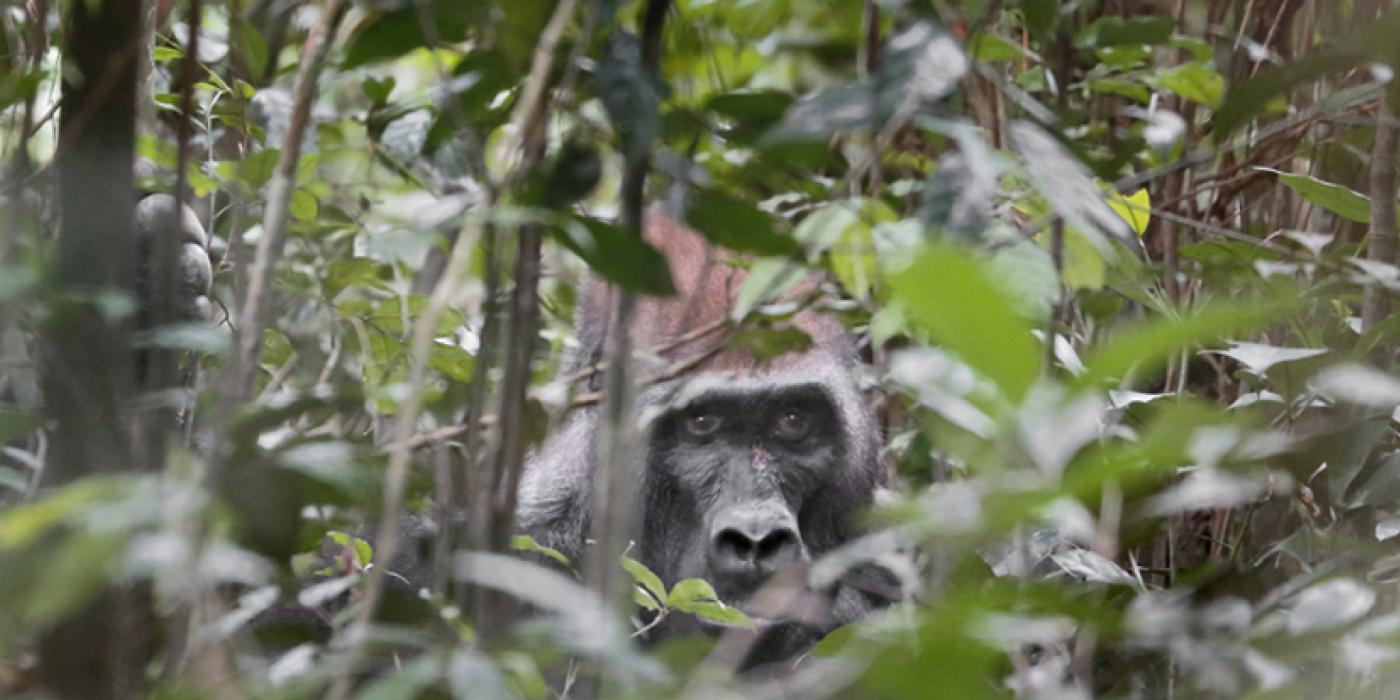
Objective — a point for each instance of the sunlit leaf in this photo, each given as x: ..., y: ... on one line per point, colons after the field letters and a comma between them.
x: 526, y: 543
x: 645, y: 578
x: 1258, y: 358
x: 949, y: 293
x: 1359, y: 385
x: 1135, y: 209
x: 1199, y: 82
x: 1330, y: 604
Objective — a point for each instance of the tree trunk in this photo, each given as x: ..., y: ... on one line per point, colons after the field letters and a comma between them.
x: 102, y: 651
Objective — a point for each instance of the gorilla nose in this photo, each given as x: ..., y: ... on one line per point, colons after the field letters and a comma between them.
x: 754, y: 542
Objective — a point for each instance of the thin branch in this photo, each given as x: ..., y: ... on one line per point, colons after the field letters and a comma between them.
x: 396, y: 477
x: 1376, y: 304
x: 274, y: 229
x: 615, y: 482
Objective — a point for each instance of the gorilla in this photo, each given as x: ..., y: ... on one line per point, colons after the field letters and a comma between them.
x: 161, y: 219
x: 746, y: 468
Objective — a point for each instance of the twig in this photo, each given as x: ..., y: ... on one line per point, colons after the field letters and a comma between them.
x: 615, y: 482
x: 1376, y: 303
x: 274, y: 233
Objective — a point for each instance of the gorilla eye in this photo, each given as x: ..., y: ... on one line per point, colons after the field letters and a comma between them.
x: 700, y: 424
x: 793, y: 424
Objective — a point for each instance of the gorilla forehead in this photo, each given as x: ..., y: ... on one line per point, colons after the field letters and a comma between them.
x: 713, y: 385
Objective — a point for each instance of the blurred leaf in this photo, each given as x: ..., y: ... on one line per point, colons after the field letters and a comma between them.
x: 572, y: 175
x: 1381, y: 487
x: 818, y: 117
x: 735, y: 224
x: 13, y: 480
x: 1066, y: 186
x: 1330, y: 604
x: 195, y: 337
x: 949, y: 293
x: 526, y: 543
x: 768, y: 279
x: 749, y: 114
x: 384, y: 36
x: 14, y: 424
x: 1258, y: 358
x: 407, y: 682
x: 1199, y: 82
x: 1360, y: 385
x: 619, y: 256
x: 250, y: 46
x: 1040, y: 15
x: 1246, y: 100
x: 987, y: 47
x: 1149, y: 345
x: 769, y: 343
x: 844, y: 229
x: 1111, y: 30
x: 1340, y: 200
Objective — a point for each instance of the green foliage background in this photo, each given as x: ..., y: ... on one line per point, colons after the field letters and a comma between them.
x: 1107, y: 260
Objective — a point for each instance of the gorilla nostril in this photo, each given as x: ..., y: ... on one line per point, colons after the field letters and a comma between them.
x: 775, y: 545
x: 736, y: 544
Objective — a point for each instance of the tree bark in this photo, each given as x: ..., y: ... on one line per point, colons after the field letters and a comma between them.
x: 101, y: 651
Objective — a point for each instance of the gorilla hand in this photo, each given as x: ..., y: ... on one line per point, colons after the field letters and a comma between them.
x: 159, y: 218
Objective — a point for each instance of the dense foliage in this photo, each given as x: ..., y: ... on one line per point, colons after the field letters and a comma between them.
x: 1121, y: 269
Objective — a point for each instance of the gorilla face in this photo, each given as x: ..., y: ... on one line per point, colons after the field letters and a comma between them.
x: 734, y: 485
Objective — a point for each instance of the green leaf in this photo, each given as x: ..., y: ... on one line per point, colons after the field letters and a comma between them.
x: 949, y: 293
x: 733, y: 223
x: 619, y: 256
x: 1040, y: 15
x: 845, y: 229
x: 768, y: 343
x: 768, y: 279
x: 726, y: 614
x: 645, y: 578
x: 686, y: 594
x: 526, y: 543
x: 986, y: 47
x: 1246, y: 100
x: 749, y: 114
x: 1338, y: 199
x: 1199, y: 82
x: 697, y: 597
x: 304, y: 206
x: 1117, y: 31
x: 1135, y: 209
x: 251, y: 47
x: 393, y: 34
x: 364, y: 553
x: 1149, y: 345
x: 645, y: 600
